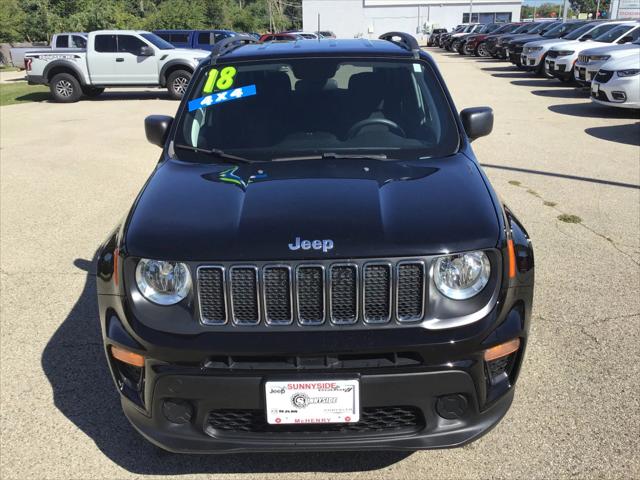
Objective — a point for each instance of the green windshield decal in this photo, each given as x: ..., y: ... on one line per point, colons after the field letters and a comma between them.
x: 219, y: 79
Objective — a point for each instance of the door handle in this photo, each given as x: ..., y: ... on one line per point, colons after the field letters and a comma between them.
x: 119, y: 59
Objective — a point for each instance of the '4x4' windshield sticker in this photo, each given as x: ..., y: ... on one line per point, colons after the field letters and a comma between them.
x: 220, y: 97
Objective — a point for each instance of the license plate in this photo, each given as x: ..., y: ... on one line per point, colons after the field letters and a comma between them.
x: 595, y: 87
x: 312, y: 401
x: 506, y: 51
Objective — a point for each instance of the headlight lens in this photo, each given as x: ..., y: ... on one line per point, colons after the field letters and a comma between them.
x: 164, y: 283
x: 462, y: 276
x: 533, y: 49
x: 632, y: 72
x: 564, y: 53
x: 598, y: 58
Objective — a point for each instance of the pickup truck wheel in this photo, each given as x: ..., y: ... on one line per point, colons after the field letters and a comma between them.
x: 65, y: 88
x: 177, y: 83
x: 92, y: 92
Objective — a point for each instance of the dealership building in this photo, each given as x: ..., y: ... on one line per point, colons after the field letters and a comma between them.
x: 371, y: 18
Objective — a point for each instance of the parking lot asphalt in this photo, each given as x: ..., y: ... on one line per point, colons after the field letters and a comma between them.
x: 569, y: 169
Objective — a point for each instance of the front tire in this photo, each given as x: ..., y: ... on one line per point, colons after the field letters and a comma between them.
x: 177, y: 83
x: 65, y: 88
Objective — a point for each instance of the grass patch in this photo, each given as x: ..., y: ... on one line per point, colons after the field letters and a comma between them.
x: 550, y: 204
x: 514, y: 182
x: 20, y: 92
x: 565, y: 217
x: 8, y: 68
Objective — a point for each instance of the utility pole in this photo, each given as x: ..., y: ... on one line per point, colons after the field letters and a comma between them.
x: 534, y: 11
x: 565, y: 11
x: 470, y: 11
x: 597, y: 9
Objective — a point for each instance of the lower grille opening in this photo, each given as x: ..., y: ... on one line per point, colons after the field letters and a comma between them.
x: 318, y: 362
x: 129, y: 374
x: 373, y: 420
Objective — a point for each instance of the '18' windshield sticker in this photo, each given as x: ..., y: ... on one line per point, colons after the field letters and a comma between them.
x: 219, y: 79
x: 221, y: 97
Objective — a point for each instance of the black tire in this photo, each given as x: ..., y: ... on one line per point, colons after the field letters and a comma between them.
x: 92, y: 92
x: 65, y: 88
x: 455, y: 45
x: 482, y: 51
x: 177, y: 83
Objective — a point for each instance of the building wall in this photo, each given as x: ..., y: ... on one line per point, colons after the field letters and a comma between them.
x: 371, y: 18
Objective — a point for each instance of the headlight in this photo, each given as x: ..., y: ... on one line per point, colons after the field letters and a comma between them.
x: 462, y: 276
x: 533, y: 49
x: 598, y: 58
x: 632, y: 72
x: 164, y: 283
x: 564, y: 53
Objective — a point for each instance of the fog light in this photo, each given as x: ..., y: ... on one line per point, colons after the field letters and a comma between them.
x: 452, y: 407
x: 177, y: 411
x: 619, y: 96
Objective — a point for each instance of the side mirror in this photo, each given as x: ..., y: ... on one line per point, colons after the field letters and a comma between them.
x: 477, y: 121
x: 626, y: 39
x: 156, y: 128
x: 146, y: 51
x: 586, y: 37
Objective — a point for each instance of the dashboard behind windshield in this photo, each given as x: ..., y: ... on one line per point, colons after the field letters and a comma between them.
x: 311, y: 106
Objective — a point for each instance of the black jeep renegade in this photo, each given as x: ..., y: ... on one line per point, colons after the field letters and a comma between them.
x: 317, y: 262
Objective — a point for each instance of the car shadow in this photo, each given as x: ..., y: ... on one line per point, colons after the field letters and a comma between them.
x: 626, y: 134
x: 514, y: 74
x: 540, y: 82
x: 561, y: 93
x: 34, y: 97
x: 593, y: 110
x: 124, y: 95
x: 498, y: 69
x: 83, y: 391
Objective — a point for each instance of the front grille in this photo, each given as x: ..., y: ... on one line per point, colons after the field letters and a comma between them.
x: 603, y: 76
x: 552, y: 54
x: 373, y: 420
x: 369, y: 292
x: 517, y: 49
x: 583, y: 58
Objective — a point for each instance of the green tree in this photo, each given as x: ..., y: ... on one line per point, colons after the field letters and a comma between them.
x: 177, y: 14
x: 11, y: 20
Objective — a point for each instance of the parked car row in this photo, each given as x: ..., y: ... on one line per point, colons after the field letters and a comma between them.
x: 602, y: 55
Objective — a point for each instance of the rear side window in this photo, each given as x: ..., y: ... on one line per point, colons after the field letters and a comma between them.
x: 105, y: 43
x: 165, y: 36
x: 62, y: 41
x: 221, y: 36
x: 130, y: 44
x: 179, y: 38
x: 78, y: 42
x: 204, y: 38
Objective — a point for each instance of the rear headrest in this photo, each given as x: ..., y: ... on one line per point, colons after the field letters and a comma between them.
x: 277, y: 83
x: 365, y: 82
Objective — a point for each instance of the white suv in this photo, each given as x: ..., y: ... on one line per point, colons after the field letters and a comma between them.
x: 561, y: 58
x: 590, y: 60
x: 617, y: 83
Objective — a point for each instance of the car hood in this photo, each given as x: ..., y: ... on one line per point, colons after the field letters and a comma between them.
x: 549, y: 42
x: 614, y: 50
x: 579, y: 46
x: 188, y: 53
x: 367, y: 208
x: 624, y: 63
x: 526, y: 39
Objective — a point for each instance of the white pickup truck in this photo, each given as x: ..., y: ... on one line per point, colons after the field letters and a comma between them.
x: 113, y: 58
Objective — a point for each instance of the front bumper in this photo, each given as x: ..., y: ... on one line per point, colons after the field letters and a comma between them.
x: 224, y: 374
x: 617, y: 92
x: 559, y: 68
x: 584, y: 74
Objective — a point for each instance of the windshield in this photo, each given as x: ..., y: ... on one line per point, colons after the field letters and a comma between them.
x: 554, y: 31
x: 564, y: 29
x: 492, y: 28
x: 506, y: 28
x: 537, y: 28
x: 613, y: 34
x: 521, y: 29
x: 302, y: 107
x: 157, y: 41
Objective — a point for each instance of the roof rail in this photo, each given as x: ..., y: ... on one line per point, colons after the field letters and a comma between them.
x: 404, y: 40
x: 229, y: 44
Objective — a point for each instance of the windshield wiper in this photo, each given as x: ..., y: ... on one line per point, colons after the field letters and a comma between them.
x: 333, y: 155
x: 214, y: 152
